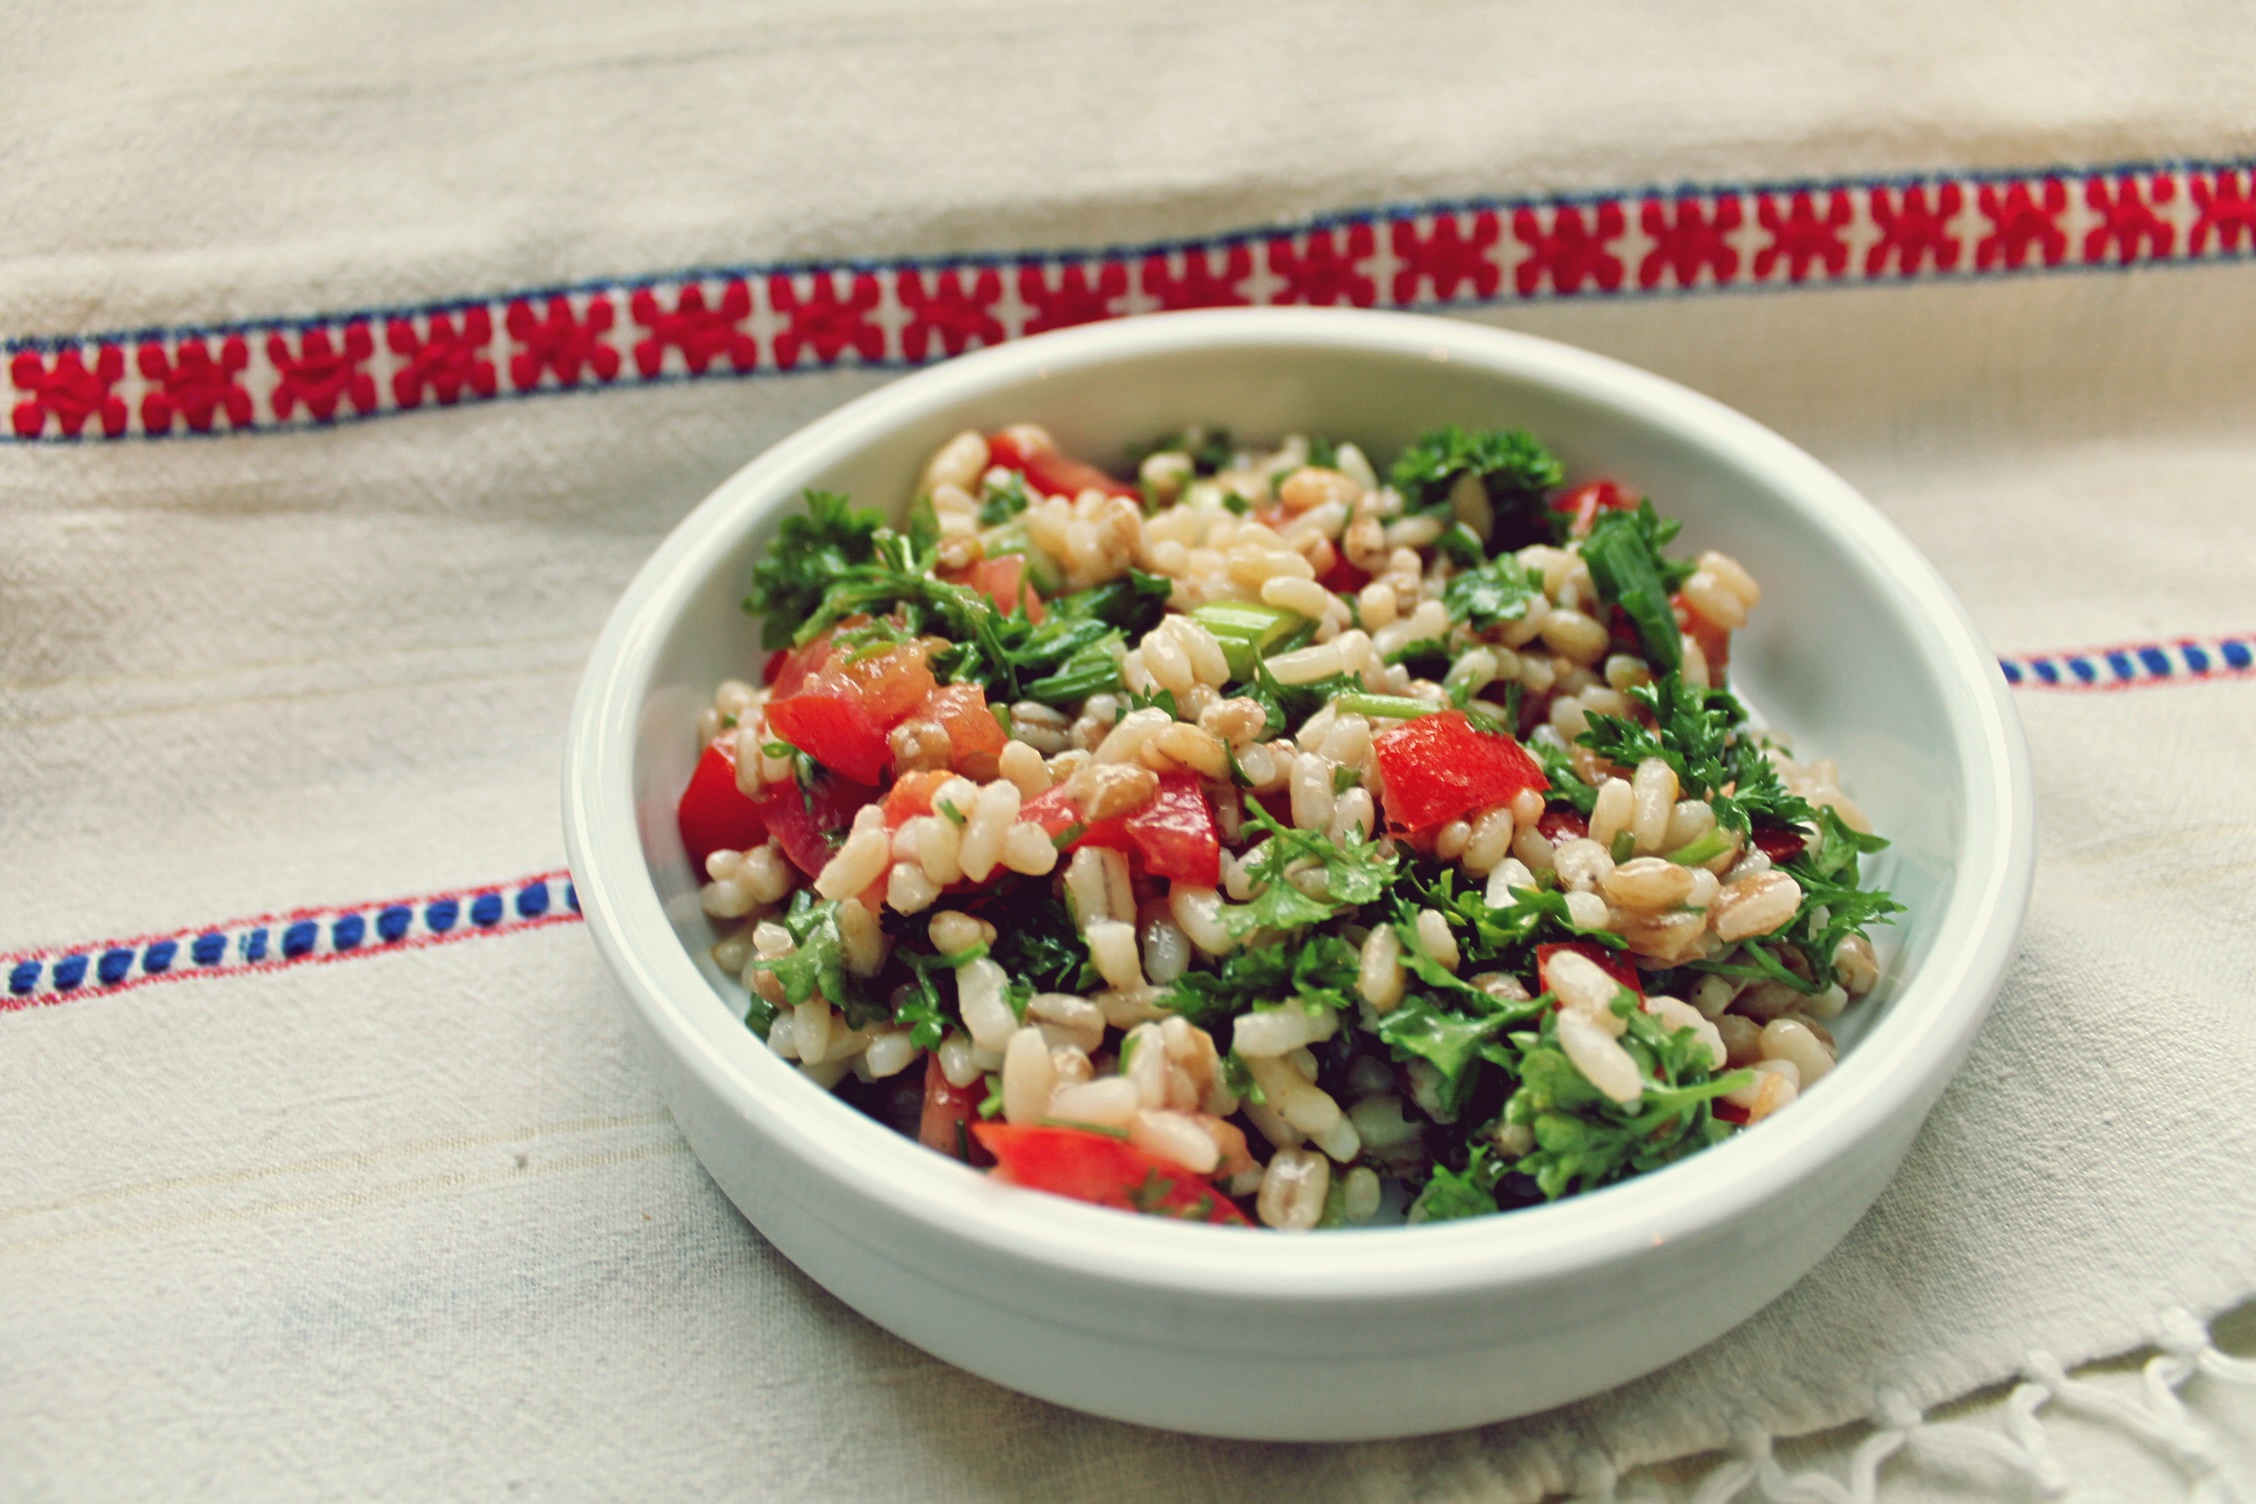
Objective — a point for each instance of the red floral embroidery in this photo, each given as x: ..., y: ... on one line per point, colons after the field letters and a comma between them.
x: 1323, y: 272
x: 1800, y: 238
x: 1445, y: 256
x: 1571, y: 252
x: 702, y: 334
x: 446, y: 359
x: 944, y: 309
x: 2126, y: 223
x: 2021, y: 222
x: 71, y: 391
x: 2224, y: 204
x: 1071, y: 298
x: 561, y: 341
x: 825, y: 323
x: 1691, y: 241
x: 322, y: 373
x: 1913, y: 232
x: 194, y: 385
x: 1199, y: 285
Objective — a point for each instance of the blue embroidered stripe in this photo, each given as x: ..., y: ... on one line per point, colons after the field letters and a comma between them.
x: 2136, y: 665
x: 796, y: 317
x: 310, y: 936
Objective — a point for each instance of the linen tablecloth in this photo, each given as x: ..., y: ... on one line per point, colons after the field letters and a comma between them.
x: 355, y: 357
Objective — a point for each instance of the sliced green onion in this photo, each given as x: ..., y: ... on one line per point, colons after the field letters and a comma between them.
x: 1070, y: 834
x: 1247, y: 632
x: 1104, y: 1128
x: 948, y: 808
x: 1701, y: 850
x: 1386, y: 707
x: 1625, y: 845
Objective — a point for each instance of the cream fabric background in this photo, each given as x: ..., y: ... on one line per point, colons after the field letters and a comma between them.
x: 418, y: 1227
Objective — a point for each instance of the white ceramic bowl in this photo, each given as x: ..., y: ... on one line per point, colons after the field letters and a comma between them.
x: 1859, y: 651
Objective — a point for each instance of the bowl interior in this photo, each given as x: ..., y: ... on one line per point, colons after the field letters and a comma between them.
x: 1858, y: 653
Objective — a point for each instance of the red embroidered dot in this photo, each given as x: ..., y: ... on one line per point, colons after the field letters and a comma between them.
x: 2021, y: 222
x: 445, y: 360
x: 1326, y: 268
x: 702, y: 334
x: 824, y: 322
x: 941, y: 307
x: 1801, y: 238
x: 322, y: 373
x: 70, y: 391
x: 557, y: 339
x: 2224, y: 204
x: 2128, y: 228
x: 1689, y: 242
x: 1446, y: 257
x: 194, y: 385
x: 1913, y: 231
x: 1199, y: 285
x: 1072, y: 298
x: 1573, y: 251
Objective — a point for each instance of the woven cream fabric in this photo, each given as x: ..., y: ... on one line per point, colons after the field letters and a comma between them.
x: 417, y: 1226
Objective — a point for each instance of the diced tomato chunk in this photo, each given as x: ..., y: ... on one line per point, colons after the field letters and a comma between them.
x: 1781, y: 843
x: 949, y: 1112
x: 1612, y: 963
x: 838, y: 712
x: 804, y: 834
x: 911, y: 796
x: 714, y: 814
x: 1714, y: 641
x: 1098, y: 1168
x: 890, y: 684
x: 1559, y: 826
x: 1585, y: 502
x: 1438, y: 767
x: 793, y: 667
x: 1176, y: 832
x: 963, y: 712
x: 1001, y: 580
x: 829, y: 725
x: 1343, y: 578
x: 1054, y: 472
x: 1056, y: 813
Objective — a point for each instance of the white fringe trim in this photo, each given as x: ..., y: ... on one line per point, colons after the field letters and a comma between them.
x: 2023, y: 1448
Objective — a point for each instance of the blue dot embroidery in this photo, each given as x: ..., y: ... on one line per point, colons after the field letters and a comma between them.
x: 2197, y: 659
x: 2236, y: 653
x: 2082, y: 669
x: 210, y: 946
x: 24, y: 977
x: 2156, y: 661
x: 2012, y: 670
x: 69, y: 972
x: 393, y: 922
x: 532, y: 901
x: 113, y: 966
x: 486, y: 910
x: 300, y: 938
x: 254, y: 945
x: 346, y: 933
x: 572, y: 897
x: 2121, y: 664
x: 440, y: 916
x: 2045, y: 670
x: 157, y: 959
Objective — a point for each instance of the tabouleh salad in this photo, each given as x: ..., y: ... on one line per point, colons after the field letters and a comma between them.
x: 1267, y: 840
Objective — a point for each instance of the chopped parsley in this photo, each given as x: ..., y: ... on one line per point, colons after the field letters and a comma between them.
x: 1356, y: 870
x: 1320, y: 972
x: 809, y: 555
x: 1502, y: 590
x: 1630, y: 571
x: 1514, y: 469
x: 817, y: 967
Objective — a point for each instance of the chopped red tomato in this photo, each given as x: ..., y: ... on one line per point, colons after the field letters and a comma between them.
x: 911, y: 796
x: 1054, y: 472
x: 714, y: 814
x: 1728, y: 1112
x: 1098, y: 1168
x: 1002, y: 581
x: 792, y: 667
x: 774, y: 665
x: 804, y: 834
x: 1559, y: 826
x: 1438, y: 767
x: 1714, y: 641
x: 1343, y: 578
x: 949, y: 1112
x: 838, y: 713
x: 1176, y: 832
x: 1056, y: 813
x: 1612, y: 963
x: 1584, y: 503
x: 962, y: 710
x: 1781, y: 843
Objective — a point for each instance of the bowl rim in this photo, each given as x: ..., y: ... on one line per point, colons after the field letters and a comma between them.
x: 1896, y: 1067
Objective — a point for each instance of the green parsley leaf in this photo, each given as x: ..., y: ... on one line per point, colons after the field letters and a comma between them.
x: 817, y: 967
x: 810, y: 554
x: 1453, y: 1194
x: 1630, y: 571
x: 1356, y: 872
x: 1320, y: 972
x: 1513, y: 467
x: 1502, y: 590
